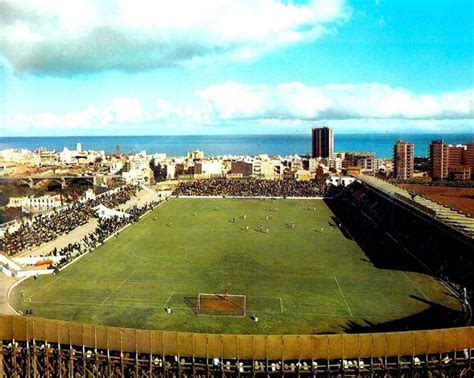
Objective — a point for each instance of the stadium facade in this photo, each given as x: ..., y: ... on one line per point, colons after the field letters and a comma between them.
x: 40, y: 347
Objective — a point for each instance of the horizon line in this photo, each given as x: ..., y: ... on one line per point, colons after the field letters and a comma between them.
x: 250, y: 134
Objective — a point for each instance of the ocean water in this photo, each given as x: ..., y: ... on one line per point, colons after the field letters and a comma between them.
x: 214, y: 145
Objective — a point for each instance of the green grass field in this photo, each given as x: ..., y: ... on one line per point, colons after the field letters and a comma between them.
x: 306, y: 279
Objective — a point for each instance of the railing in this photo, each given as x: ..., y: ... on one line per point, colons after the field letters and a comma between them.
x: 249, y: 347
x: 416, y: 205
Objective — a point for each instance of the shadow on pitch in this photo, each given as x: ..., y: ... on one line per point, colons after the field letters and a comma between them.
x: 379, y: 249
x: 190, y: 301
x: 435, y: 316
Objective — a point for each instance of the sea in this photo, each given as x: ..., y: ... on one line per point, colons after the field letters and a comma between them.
x: 219, y: 145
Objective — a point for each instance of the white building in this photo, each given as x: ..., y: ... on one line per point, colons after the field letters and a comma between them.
x: 211, y: 167
x: 170, y: 170
x: 139, y: 176
x: 313, y: 164
x: 36, y: 204
x: 196, y: 155
x: 336, y: 164
x: 340, y: 180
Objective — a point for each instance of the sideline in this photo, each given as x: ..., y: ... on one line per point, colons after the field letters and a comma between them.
x: 12, y: 286
x: 415, y: 286
x: 343, y: 297
x: 17, y: 282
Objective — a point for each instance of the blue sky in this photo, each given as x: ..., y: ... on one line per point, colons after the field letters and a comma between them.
x: 236, y: 66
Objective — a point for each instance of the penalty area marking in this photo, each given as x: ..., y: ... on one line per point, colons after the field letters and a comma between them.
x: 169, y: 298
x: 343, y: 297
x: 116, y: 289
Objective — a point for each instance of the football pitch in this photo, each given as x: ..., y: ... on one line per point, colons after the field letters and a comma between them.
x: 299, y: 270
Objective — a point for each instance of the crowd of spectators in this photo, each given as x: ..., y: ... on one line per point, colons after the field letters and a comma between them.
x: 251, y: 188
x: 105, y: 228
x: 46, y: 227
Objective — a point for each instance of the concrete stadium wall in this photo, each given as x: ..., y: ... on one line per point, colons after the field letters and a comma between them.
x: 256, y: 347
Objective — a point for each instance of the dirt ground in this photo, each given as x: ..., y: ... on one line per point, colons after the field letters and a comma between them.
x: 456, y: 198
x: 219, y: 305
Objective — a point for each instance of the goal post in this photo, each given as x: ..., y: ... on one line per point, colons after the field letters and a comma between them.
x: 221, y: 304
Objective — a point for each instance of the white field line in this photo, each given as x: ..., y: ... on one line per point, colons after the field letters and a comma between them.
x: 281, y: 305
x: 416, y: 287
x: 105, y: 240
x: 396, y: 241
x: 180, y: 274
x: 169, y: 298
x: 7, y: 297
x: 343, y: 297
x: 54, y: 280
x: 116, y: 289
x: 181, y: 307
x: 223, y: 315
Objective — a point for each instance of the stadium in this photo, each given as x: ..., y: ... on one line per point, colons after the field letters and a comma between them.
x: 238, y: 277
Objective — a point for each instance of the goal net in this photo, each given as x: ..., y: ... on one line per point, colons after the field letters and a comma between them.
x: 221, y: 304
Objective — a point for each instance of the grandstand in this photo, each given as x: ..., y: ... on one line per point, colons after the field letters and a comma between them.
x: 394, y: 234
x: 438, y: 247
x: 55, y: 348
x: 455, y: 219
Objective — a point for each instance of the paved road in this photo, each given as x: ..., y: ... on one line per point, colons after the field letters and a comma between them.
x: 142, y: 197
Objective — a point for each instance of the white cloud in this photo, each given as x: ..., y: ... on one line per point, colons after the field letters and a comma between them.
x: 124, y: 110
x: 120, y: 111
x: 166, y: 112
x: 285, y: 105
x: 66, y: 37
x: 337, y: 101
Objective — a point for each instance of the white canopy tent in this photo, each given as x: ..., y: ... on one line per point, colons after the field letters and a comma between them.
x: 104, y: 212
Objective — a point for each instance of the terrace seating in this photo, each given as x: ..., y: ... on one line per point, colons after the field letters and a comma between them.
x: 251, y: 188
x: 44, y: 228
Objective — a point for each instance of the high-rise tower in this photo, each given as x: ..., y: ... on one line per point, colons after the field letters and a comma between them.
x: 323, y: 142
x: 403, y: 160
x: 439, y: 160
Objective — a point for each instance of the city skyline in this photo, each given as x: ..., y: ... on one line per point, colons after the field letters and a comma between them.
x: 260, y: 67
